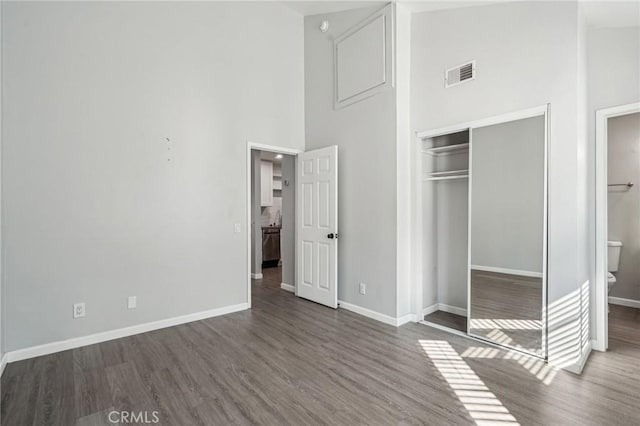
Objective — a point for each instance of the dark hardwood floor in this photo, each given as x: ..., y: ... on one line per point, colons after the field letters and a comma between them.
x: 447, y: 319
x: 290, y: 361
x: 271, y: 279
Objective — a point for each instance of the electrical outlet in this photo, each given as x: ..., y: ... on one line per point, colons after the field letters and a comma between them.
x: 363, y: 288
x: 237, y: 228
x: 78, y: 310
x: 132, y: 302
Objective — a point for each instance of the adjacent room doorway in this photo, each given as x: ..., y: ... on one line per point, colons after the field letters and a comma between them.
x: 292, y: 217
x: 617, y: 194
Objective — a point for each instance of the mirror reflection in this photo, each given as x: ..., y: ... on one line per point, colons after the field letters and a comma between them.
x: 507, y: 234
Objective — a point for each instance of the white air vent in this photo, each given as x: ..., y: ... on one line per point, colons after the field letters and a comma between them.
x: 460, y: 74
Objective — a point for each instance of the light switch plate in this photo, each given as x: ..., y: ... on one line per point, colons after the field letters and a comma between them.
x: 237, y: 228
x: 132, y: 302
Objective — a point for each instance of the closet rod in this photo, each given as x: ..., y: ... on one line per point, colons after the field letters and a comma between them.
x: 628, y: 184
x: 447, y: 177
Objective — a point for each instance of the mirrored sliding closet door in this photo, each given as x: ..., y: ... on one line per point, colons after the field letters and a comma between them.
x: 507, y: 253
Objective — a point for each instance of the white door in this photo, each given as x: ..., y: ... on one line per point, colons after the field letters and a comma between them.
x: 317, y: 226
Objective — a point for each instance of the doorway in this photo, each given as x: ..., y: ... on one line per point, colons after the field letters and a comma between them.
x: 272, y: 188
x: 307, y: 221
x: 617, y: 291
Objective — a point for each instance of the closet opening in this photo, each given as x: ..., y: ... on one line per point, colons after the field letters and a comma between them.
x: 482, y: 224
x: 445, y: 195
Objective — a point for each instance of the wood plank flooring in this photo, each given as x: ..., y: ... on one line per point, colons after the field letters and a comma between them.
x: 507, y: 307
x: 290, y: 361
x: 447, y: 319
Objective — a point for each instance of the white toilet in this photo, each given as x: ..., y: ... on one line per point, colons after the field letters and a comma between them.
x: 613, y: 260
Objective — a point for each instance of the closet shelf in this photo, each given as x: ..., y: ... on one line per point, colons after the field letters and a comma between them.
x: 449, y: 175
x: 447, y: 149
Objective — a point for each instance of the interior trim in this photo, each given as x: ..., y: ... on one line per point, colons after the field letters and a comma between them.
x: 3, y: 363
x: 483, y: 122
x: 288, y: 287
x: 624, y: 302
x: 91, y: 339
x: 452, y: 309
x: 600, y: 287
x: 388, y: 47
x: 582, y: 361
x: 429, y: 310
x: 518, y: 272
x: 262, y: 147
x: 396, y: 322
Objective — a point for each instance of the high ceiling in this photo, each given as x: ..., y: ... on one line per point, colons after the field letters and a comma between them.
x: 599, y: 14
x: 307, y: 8
x: 603, y: 14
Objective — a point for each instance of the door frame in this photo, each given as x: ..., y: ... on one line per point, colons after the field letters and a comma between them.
x: 278, y: 150
x: 417, y: 268
x: 601, y: 341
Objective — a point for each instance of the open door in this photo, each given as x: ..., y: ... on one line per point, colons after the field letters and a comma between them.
x: 317, y: 226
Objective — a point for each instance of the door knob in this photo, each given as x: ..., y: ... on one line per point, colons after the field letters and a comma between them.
x: 332, y: 236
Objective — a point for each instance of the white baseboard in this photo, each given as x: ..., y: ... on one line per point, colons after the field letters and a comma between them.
x: 624, y: 302
x: 452, y: 309
x: 405, y: 319
x: 584, y: 356
x: 3, y: 363
x: 518, y: 272
x: 373, y: 314
x: 288, y: 287
x: 445, y: 308
x: 256, y: 276
x: 429, y: 310
x: 76, y: 342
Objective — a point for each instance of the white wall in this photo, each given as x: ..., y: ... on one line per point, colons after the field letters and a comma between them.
x: 451, y: 238
x: 93, y: 210
x: 613, y: 67
x: 406, y: 155
x: 582, y: 188
x: 526, y: 56
x: 623, y: 157
x: 365, y: 133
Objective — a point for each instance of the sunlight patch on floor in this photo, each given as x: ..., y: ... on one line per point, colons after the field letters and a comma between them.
x: 483, y: 406
x: 506, y: 324
x: 537, y: 367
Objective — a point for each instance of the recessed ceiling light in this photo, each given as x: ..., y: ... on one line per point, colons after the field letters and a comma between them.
x: 279, y: 156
